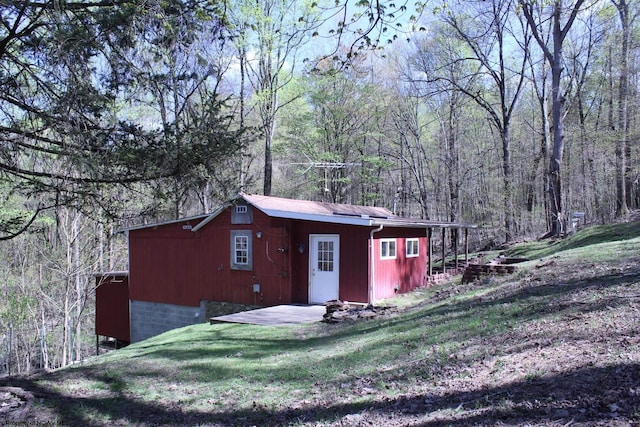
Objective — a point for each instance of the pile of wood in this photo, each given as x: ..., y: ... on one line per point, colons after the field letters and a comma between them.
x: 339, y: 311
x: 499, y: 266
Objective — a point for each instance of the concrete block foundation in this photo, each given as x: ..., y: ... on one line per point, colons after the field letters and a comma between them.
x: 151, y: 318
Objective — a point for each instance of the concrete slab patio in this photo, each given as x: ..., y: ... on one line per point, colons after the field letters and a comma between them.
x: 280, y: 315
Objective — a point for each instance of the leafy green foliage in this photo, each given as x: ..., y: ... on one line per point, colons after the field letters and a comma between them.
x: 68, y: 72
x: 16, y: 307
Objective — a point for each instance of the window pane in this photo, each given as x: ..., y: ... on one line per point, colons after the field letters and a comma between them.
x: 412, y: 247
x: 387, y: 248
x: 242, y: 250
x: 325, y: 256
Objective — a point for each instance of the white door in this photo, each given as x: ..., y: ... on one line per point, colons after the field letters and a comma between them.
x: 324, y: 254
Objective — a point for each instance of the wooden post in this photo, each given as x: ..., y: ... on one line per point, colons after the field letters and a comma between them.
x: 444, y: 264
x: 454, y: 233
x: 466, y: 246
x: 429, y: 252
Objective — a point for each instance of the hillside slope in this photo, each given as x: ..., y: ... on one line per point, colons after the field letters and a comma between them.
x: 557, y: 343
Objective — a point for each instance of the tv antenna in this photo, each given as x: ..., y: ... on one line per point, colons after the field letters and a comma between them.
x: 311, y: 164
x: 325, y: 165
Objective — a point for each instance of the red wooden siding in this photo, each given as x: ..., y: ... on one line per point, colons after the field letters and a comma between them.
x: 353, y: 259
x: 112, y: 306
x: 174, y: 265
x: 402, y: 273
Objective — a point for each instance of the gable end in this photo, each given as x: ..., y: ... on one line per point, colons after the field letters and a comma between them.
x: 241, y: 213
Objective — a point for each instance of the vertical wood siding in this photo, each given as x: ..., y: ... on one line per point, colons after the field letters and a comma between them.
x: 174, y: 265
x: 112, y: 307
x: 402, y: 273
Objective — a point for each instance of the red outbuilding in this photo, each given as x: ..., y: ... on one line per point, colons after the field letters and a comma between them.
x: 112, y: 306
x: 264, y: 251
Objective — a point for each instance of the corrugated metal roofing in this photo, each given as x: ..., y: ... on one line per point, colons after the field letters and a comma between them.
x: 278, y: 204
x: 338, y: 213
x: 308, y: 210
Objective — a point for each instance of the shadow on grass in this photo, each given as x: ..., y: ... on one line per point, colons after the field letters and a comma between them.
x: 448, y: 323
x: 577, y: 396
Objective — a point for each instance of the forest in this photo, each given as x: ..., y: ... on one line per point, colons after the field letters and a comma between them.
x: 515, y: 115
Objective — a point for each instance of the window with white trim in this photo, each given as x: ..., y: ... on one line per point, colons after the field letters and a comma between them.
x: 241, y: 250
x: 387, y: 248
x: 413, y: 248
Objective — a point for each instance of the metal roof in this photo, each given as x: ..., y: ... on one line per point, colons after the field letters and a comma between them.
x: 421, y: 223
x: 316, y: 211
x: 196, y: 219
x: 335, y: 213
x: 307, y: 210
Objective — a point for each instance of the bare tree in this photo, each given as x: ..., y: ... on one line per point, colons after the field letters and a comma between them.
x: 488, y: 38
x: 268, y: 36
x: 412, y: 151
x: 536, y: 15
x: 623, y: 152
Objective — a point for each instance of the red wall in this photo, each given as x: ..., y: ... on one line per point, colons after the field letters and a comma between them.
x: 174, y: 265
x: 353, y: 265
x: 112, y: 306
x: 404, y: 273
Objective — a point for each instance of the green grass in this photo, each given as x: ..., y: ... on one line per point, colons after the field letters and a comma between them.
x: 232, y: 368
x: 599, y: 239
x: 209, y: 373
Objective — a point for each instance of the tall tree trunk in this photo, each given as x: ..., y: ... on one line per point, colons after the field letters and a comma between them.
x: 555, y: 165
x: 65, y: 327
x: 555, y: 58
x: 451, y: 137
x: 44, y: 352
x: 242, y: 57
x: 586, y: 189
x: 507, y: 184
x: 623, y: 183
x: 268, y: 159
x: 78, y: 288
x: 543, y: 153
x: 269, y: 86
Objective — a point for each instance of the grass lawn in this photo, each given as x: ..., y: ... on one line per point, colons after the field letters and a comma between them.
x: 556, y: 343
